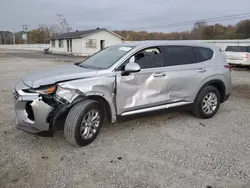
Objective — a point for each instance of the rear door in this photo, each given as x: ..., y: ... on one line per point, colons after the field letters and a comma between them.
x: 146, y: 88
x: 184, y: 73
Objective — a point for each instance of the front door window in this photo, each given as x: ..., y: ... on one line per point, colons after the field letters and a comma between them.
x: 147, y: 58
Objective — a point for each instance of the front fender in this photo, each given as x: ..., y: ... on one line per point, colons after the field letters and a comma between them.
x: 98, y: 86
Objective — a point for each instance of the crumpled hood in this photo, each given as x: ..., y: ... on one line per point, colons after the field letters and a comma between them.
x: 57, y: 74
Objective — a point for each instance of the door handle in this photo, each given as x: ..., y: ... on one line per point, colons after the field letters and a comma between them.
x: 159, y: 75
x: 202, y: 70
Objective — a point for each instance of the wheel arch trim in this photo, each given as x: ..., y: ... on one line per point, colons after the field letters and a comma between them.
x: 213, y: 82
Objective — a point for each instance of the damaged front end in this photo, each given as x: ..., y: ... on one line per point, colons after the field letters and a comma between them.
x: 36, y: 110
x: 44, y: 110
x: 31, y: 110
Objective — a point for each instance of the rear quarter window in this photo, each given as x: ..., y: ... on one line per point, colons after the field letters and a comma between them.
x: 238, y: 49
x: 203, y: 54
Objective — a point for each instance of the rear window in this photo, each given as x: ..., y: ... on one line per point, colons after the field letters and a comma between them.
x: 238, y: 49
x: 203, y: 54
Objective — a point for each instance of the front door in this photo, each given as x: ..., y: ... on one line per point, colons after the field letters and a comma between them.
x: 146, y: 88
x: 102, y: 44
x: 69, y: 45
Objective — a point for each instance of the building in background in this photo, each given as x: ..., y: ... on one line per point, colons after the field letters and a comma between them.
x: 85, y: 42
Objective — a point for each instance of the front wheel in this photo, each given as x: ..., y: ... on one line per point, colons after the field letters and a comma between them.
x: 83, y: 123
x: 207, y: 102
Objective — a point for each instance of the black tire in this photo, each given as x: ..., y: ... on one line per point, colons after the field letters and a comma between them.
x: 197, y: 107
x: 74, y: 119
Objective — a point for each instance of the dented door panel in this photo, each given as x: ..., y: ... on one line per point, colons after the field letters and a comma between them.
x: 183, y: 81
x: 139, y: 90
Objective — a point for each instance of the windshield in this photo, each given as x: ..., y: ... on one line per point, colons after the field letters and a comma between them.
x: 106, y: 58
x: 238, y: 49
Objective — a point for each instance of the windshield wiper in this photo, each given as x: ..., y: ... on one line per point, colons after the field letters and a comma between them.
x: 89, y: 66
x: 84, y: 66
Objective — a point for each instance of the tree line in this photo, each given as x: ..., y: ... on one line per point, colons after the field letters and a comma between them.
x: 200, y: 31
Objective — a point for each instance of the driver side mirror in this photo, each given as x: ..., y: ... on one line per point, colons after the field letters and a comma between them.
x: 131, y: 67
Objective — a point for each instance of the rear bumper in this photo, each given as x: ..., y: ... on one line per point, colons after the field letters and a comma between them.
x: 240, y: 63
x: 31, y: 112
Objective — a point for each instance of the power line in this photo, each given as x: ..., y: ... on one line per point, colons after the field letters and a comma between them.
x: 212, y: 21
x: 176, y: 24
x: 194, y: 21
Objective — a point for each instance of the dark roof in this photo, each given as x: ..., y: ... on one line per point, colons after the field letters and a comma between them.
x: 80, y: 34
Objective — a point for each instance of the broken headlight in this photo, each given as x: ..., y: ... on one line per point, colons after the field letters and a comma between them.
x: 44, y: 90
x: 47, y: 90
x: 65, y: 95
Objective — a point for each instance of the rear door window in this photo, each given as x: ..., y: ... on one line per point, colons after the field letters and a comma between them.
x: 237, y: 49
x: 203, y: 54
x: 179, y: 55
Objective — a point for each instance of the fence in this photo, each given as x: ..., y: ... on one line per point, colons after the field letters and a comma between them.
x: 33, y: 47
x: 40, y: 47
x: 220, y: 43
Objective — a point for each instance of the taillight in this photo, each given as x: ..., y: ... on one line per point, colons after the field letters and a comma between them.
x: 246, y: 56
x: 228, y: 67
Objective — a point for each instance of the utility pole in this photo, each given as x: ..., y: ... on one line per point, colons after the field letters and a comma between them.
x: 25, y: 30
x: 25, y: 27
x: 61, y: 19
x: 14, y: 38
x: 4, y: 40
x: 64, y: 26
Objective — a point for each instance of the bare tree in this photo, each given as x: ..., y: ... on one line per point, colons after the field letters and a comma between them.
x: 197, y: 30
x: 50, y: 30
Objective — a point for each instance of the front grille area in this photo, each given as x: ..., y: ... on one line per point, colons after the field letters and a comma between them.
x: 29, y: 111
x: 15, y: 95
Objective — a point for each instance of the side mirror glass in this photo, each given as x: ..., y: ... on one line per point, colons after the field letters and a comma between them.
x: 132, y: 67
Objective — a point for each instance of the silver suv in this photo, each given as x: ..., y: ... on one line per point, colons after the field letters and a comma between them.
x: 122, y: 80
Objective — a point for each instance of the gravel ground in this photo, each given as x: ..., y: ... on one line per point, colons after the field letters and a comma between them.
x: 163, y: 149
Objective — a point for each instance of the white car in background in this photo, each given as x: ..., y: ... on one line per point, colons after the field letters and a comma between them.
x: 238, y: 55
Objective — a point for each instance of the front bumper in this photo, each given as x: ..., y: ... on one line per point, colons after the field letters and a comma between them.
x: 31, y: 112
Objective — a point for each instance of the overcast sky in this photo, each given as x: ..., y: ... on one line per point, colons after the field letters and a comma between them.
x: 116, y: 14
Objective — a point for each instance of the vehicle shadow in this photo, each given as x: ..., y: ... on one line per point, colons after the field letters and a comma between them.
x: 128, y: 123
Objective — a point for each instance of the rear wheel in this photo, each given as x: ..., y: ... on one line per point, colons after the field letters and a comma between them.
x: 83, y: 123
x: 207, y: 102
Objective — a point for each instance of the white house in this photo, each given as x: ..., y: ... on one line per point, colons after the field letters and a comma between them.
x: 85, y: 42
